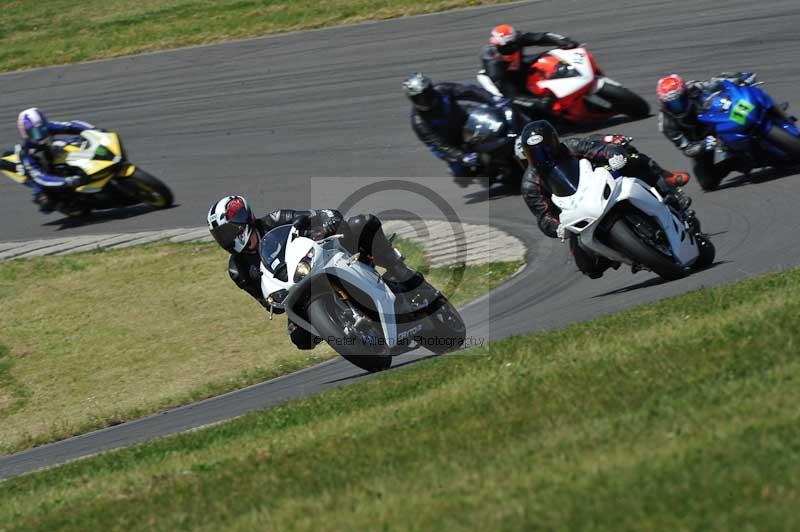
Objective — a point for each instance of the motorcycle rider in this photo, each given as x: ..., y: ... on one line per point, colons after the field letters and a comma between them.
x: 437, y: 118
x: 235, y: 228
x: 36, y: 156
x: 540, y: 145
x: 505, y: 64
x: 680, y: 103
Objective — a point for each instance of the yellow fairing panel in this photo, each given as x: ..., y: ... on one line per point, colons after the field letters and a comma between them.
x: 95, y: 186
x: 14, y: 159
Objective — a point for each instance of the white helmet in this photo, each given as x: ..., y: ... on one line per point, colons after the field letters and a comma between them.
x: 32, y: 125
x: 230, y: 221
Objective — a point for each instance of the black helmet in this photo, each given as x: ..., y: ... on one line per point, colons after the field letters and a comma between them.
x: 230, y: 221
x: 419, y: 89
x: 540, y: 144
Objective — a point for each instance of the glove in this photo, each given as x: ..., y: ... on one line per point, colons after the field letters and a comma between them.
x: 709, y: 143
x: 327, y: 221
x: 616, y: 162
x: 747, y: 78
x: 74, y: 181
x: 470, y: 160
x: 302, y: 224
x: 501, y: 101
x: 518, y: 151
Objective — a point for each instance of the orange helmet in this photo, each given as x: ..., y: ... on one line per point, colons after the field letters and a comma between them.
x: 504, y: 38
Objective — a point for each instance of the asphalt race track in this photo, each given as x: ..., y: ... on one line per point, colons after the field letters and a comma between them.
x: 260, y: 117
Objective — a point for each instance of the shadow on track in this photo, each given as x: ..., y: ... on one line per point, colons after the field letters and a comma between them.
x: 760, y: 176
x: 490, y: 194
x: 392, y: 368
x: 97, y: 217
x: 569, y: 128
x: 653, y: 281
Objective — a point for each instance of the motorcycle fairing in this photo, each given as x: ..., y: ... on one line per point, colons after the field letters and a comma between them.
x: 576, y: 59
x: 598, y: 192
x: 96, y: 154
x: 735, y: 112
x: 330, y: 260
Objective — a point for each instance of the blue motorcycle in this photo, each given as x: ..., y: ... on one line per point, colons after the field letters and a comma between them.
x: 749, y: 128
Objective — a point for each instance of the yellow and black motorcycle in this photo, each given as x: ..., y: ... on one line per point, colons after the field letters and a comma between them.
x: 112, y: 181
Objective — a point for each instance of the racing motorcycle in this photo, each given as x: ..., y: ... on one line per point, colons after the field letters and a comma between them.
x: 490, y: 131
x: 342, y: 299
x: 749, y: 128
x: 626, y: 220
x: 582, y: 92
x: 112, y: 181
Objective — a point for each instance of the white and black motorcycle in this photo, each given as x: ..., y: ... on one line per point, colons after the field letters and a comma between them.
x: 336, y: 296
x: 625, y: 220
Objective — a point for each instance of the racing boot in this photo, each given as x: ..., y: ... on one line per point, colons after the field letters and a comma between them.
x: 399, y: 275
x: 46, y: 203
x: 676, y: 179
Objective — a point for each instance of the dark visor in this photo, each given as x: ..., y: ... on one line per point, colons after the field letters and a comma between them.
x: 226, y: 234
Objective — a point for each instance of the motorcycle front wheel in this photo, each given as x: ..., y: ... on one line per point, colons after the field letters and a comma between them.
x: 325, y: 315
x: 150, y: 190
x: 784, y: 140
x: 625, y: 240
x: 446, y: 330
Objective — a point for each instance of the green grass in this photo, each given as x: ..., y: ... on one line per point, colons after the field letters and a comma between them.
x: 95, y: 339
x: 679, y: 415
x: 64, y: 31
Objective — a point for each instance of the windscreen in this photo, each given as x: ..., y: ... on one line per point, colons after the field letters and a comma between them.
x: 563, y: 178
x: 273, y: 248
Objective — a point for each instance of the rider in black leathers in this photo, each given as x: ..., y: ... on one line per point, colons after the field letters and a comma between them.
x: 505, y: 64
x: 437, y: 118
x: 362, y: 233
x: 601, y: 150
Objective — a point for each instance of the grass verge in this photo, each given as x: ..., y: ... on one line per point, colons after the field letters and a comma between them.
x: 63, y: 31
x: 95, y: 339
x: 679, y: 415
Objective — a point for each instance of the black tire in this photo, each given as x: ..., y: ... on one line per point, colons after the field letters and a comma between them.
x: 359, y: 354
x: 707, y: 176
x: 707, y: 253
x: 625, y: 101
x: 623, y: 239
x: 151, y: 190
x: 784, y: 140
x: 446, y: 330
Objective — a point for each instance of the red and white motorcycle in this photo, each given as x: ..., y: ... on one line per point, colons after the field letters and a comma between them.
x: 582, y: 92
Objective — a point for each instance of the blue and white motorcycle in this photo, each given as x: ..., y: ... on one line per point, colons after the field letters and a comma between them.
x: 750, y: 128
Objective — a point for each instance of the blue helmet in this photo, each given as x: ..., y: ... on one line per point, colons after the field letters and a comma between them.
x: 32, y: 125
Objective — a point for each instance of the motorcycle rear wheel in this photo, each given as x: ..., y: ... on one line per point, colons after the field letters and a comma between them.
x: 446, y: 330
x: 785, y: 141
x: 151, y: 190
x: 626, y: 241
x: 625, y: 101
x: 322, y: 315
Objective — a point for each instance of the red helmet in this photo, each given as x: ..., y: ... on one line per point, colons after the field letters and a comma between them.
x: 672, y: 94
x: 504, y: 38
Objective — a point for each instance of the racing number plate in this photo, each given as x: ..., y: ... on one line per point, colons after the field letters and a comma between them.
x: 741, y: 111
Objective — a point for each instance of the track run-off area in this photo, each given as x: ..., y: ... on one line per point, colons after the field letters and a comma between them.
x: 278, y: 119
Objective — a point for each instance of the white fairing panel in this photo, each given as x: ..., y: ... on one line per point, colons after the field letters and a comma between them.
x: 588, y: 203
x: 579, y: 60
x: 331, y: 259
x: 598, y: 192
x: 647, y: 200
